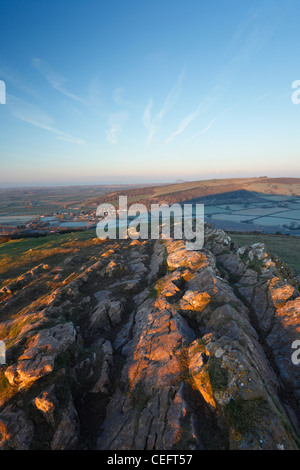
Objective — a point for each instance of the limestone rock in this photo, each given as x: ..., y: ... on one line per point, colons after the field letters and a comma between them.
x: 154, y: 347
x: 38, y: 358
x: 16, y: 430
x: 46, y: 403
x: 67, y: 432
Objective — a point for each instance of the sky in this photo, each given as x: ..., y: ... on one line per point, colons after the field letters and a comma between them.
x: 148, y: 91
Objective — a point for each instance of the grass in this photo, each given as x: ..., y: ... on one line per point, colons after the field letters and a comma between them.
x: 285, y: 247
x: 217, y: 375
x: 26, y: 253
x: 7, y: 391
x: 243, y: 415
x: 255, y: 265
x: 12, y: 330
x: 152, y: 292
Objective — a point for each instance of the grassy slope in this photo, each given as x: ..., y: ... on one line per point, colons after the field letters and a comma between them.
x: 181, y: 192
x: 18, y: 256
x: 284, y: 246
x: 285, y: 186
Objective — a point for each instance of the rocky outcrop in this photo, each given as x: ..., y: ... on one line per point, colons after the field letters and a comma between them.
x: 16, y: 431
x: 151, y: 346
x: 38, y: 358
x: 23, y: 280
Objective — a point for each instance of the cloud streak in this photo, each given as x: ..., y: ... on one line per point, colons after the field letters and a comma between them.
x: 34, y: 115
x: 55, y: 80
x: 153, y: 124
x: 11, y: 76
x: 183, y: 124
x: 251, y: 34
x: 209, y: 125
x: 115, y: 122
x: 207, y: 102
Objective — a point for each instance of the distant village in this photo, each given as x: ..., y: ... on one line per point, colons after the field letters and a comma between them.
x: 75, y: 219
x: 49, y: 223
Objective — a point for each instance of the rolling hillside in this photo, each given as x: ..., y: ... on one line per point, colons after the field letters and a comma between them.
x: 187, y: 191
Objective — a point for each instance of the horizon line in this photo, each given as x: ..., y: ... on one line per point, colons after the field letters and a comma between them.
x: 8, y: 186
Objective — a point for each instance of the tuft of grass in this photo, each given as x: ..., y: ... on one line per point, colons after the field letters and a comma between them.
x: 183, y: 361
x: 217, y: 375
x: 152, y: 292
x: 243, y: 415
x: 255, y: 265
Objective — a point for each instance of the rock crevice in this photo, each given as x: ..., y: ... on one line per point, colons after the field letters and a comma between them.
x: 151, y: 346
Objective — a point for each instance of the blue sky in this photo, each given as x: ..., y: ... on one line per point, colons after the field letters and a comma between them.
x: 137, y: 90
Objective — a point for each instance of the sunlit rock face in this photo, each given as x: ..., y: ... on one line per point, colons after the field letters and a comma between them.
x: 146, y: 345
x: 38, y: 358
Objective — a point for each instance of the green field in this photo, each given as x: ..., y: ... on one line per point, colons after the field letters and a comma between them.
x: 285, y: 247
x: 18, y: 256
x: 273, y: 221
x: 232, y: 217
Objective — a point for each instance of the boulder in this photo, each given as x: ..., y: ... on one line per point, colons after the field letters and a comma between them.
x: 39, y: 356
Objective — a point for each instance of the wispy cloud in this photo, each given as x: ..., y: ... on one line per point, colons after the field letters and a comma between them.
x: 150, y: 124
x: 257, y: 27
x: 34, y: 115
x: 118, y: 98
x: 55, y: 80
x: 251, y: 34
x: 153, y: 124
x: 115, y: 122
x: 208, y: 101
x: 262, y: 97
x: 209, y: 125
x: 183, y: 124
x: 12, y: 77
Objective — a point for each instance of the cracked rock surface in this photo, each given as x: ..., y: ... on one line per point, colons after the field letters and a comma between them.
x: 146, y: 345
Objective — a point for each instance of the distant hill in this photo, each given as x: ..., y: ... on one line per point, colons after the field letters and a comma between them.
x: 192, y: 190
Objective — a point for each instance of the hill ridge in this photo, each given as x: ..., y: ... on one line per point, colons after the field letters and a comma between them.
x: 145, y: 345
